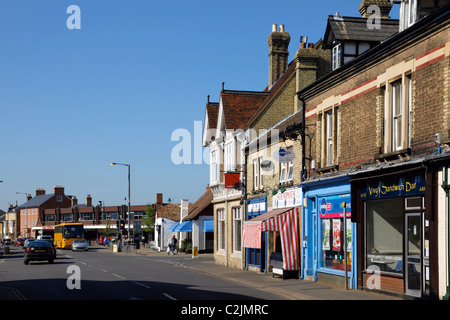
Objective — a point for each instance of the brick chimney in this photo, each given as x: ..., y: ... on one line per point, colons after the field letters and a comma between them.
x: 384, y: 5
x: 58, y: 190
x: 278, y: 42
x: 39, y: 192
x: 159, y: 199
x: 88, y: 200
x: 74, y: 201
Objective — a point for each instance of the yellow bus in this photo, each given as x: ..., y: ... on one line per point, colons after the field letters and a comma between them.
x: 65, y: 233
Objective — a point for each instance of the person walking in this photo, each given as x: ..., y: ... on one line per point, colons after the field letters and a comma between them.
x: 172, y: 245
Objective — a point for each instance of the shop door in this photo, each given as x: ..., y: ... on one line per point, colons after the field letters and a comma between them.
x: 413, y: 251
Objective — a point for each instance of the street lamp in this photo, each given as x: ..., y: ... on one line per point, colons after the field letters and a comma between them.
x: 26, y: 212
x: 129, y: 205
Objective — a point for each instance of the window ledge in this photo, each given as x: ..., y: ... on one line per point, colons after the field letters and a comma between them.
x: 328, y: 169
x: 396, y: 155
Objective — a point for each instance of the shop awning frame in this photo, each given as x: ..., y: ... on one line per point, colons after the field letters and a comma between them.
x: 283, y: 220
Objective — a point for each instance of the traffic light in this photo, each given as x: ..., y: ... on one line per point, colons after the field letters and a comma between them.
x: 120, y: 224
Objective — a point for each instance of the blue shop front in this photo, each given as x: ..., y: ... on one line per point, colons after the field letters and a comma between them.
x: 256, y: 255
x: 329, y: 252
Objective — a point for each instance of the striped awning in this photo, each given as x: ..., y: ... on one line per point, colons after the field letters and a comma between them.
x: 283, y: 220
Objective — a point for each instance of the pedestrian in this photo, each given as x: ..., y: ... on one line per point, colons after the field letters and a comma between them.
x: 172, y: 245
x: 105, y: 241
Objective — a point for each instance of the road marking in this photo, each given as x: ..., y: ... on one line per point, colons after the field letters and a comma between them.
x: 143, y: 285
x: 103, y: 270
x: 169, y: 296
x: 116, y: 275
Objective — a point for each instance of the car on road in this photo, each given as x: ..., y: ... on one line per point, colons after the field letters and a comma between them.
x: 80, y: 244
x: 39, y: 250
x: 44, y: 237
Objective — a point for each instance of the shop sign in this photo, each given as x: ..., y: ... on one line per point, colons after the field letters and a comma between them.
x: 407, y: 186
x: 283, y: 155
x: 292, y: 197
x: 331, y: 207
x: 256, y: 207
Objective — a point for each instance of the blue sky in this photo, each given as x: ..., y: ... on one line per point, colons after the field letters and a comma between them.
x: 72, y: 101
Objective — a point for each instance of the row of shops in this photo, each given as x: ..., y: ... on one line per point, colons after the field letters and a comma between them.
x: 375, y: 228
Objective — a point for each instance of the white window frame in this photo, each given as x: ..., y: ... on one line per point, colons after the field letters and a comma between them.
x: 255, y: 173
x: 398, y: 114
x: 230, y: 155
x: 336, y: 56
x: 282, y: 172
x: 237, y: 229
x: 290, y: 169
x: 261, y: 172
x: 221, y: 229
x: 330, y: 137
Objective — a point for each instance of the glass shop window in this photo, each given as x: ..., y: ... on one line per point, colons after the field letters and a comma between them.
x: 333, y: 235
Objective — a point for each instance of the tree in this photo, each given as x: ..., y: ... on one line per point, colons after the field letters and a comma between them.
x: 149, y: 219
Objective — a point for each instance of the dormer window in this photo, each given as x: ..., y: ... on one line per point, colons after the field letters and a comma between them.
x: 408, y: 13
x: 337, y: 51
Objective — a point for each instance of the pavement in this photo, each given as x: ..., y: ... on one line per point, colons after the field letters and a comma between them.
x: 289, y: 289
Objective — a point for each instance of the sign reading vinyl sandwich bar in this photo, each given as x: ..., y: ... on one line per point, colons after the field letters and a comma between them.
x: 284, y: 155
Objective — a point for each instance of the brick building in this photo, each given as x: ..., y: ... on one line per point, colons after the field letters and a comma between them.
x: 30, y: 213
x: 380, y: 140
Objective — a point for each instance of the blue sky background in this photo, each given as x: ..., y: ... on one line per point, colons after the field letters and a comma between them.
x: 72, y: 101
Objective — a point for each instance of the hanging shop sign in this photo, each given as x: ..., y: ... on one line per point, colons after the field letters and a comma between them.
x: 405, y: 186
x: 331, y: 207
x: 283, y: 155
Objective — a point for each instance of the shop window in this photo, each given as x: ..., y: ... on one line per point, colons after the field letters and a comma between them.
x: 332, y: 251
x: 384, y: 235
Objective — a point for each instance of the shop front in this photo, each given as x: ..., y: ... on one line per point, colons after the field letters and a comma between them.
x: 253, y: 239
x: 328, y: 232
x: 395, y: 228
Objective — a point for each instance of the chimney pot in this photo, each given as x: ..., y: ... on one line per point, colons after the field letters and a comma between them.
x: 281, y: 27
x: 274, y: 28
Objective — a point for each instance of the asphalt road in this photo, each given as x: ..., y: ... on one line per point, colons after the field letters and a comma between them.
x: 94, y: 275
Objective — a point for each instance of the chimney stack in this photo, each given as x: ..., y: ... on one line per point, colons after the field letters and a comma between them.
x: 88, y: 200
x: 278, y: 42
x: 74, y: 201
x: 159, y: 199
x: 29, y: 197
x: 384, y: 5
x: 40, y: 192
x: 58, y: 190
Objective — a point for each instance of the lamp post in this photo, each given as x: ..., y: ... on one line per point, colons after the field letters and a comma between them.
x: 129, y: 205
x: 26, y: 212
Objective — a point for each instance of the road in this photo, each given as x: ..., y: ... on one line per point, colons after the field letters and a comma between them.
x: 96, y: 275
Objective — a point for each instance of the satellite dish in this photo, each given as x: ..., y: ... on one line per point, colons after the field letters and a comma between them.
x: 266, y: 165
x: 239, y: 186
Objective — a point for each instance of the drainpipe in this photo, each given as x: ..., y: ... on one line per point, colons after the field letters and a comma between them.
x: 303, y: 173
x: 446, y: 187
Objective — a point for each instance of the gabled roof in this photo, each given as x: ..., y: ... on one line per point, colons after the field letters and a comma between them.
x: 357, y: 29
x: 37, y: 201
x: 210, y: 122
x: 273, y: 91
x: 239, y: 106
x: 170, y: 211
x: 200, y: 205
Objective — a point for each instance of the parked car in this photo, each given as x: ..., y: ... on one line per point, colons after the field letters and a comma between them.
x: 80, y: 244
x: 39, y: 250
x: 19, y: 242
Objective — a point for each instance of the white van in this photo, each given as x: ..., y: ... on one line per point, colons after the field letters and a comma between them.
x: 44, y: 237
